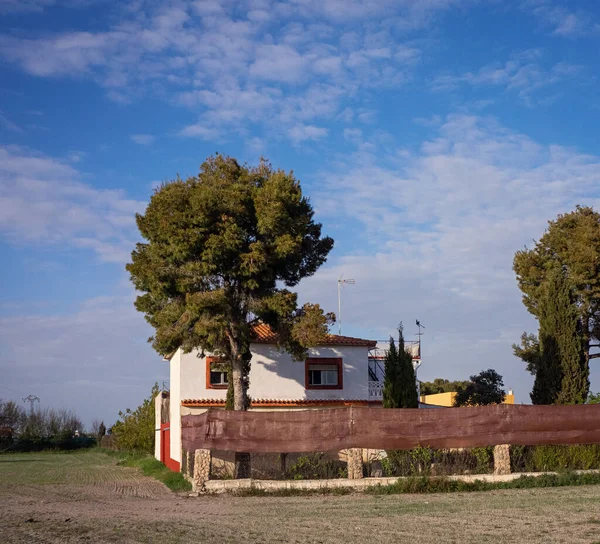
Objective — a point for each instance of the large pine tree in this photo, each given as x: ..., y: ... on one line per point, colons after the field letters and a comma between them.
x: 571, y: 243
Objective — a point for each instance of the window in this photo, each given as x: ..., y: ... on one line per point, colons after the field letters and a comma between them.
x: 324, y: 373
x: 216, y: 374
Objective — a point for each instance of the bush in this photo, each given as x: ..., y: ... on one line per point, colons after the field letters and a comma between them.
x: 430, y: 461
x: 555, y: 458
x: 135, y: 430
x: 316, y: 466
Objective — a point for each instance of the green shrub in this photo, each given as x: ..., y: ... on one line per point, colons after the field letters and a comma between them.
x: 135, y: 429
x: 555, y: 458
x: 430, y: 461
x: 316, y: 466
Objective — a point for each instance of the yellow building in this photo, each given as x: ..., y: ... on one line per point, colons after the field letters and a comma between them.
x: 447, y: 399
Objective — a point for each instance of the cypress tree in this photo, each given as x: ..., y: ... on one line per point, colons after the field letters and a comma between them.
x: 391, y: 383
x: 408, y: 380
x: 399, y: 386
x: 563, y: 361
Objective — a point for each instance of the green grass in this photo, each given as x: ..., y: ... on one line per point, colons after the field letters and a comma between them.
x: 437, y: 485
x: 445, y: 485
x: 150, y: 466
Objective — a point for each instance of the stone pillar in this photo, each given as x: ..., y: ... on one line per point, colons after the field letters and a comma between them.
x: 502, y: 459
x: 355, y: 464
x: 201, y: 468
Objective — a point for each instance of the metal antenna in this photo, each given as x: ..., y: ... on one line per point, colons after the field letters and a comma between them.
x: 31, y: 399
x: 341, y: 282
x: 419, y: 334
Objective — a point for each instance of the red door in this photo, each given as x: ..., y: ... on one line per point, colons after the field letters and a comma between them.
x: 165, y: 448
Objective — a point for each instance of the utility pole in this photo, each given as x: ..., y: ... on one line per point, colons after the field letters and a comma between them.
x: 31, y: 399
x: 341, y: 282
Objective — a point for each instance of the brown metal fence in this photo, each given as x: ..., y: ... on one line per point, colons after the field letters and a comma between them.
x: 390, y: 429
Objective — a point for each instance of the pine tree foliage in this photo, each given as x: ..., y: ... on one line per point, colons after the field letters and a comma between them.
x: 571, y: 243
x: 219, y: 250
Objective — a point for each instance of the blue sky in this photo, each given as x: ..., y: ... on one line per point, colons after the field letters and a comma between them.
x: 435, y: 138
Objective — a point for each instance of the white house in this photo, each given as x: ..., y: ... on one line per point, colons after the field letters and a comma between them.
x: 343, y: 371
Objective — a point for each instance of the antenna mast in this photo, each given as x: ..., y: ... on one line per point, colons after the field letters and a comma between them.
x: 419, y: 334
x: 341, y: 282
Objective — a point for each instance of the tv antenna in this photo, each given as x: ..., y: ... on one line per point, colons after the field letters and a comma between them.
x: 31, y: 399
x: 341, y: 283
x: 419, y: 334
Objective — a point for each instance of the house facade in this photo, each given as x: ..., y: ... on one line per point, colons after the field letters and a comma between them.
x: 343, y: 371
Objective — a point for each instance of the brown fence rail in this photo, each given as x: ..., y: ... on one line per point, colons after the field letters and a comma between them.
x: 390, y: 429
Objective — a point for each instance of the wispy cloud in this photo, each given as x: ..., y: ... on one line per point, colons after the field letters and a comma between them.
x: 7, y: 124
x: 143, y: 139
x: 523, y: 74
x: 435, y: 231
x: 94, y: 360
x: 235, y: 65
x: 561, y: 20
x: 301, y: 133
x: 42, y: 200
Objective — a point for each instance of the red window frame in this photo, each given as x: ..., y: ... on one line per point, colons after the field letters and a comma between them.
x: 209, y: 361
x: 324, y: 361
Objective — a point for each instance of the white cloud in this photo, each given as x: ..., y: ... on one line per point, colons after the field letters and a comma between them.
x: 143, y: 139
x: 432, y: 234
x: 300, y: 133
x: 199, y: 130
x: 94, y: 360
x: 561, y: 20
x: 43, y: 201
x: 233, y: 65
x: 523, y: 74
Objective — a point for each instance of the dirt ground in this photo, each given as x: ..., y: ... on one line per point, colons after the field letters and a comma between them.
x: 85, y: 497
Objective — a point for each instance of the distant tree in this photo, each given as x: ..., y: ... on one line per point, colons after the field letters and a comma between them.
x: 11, y: 416
x: 135, y: 428
x: 101, y: 431
x: 572, y: 244
x: 440, y: 385
x: 593, y: 398
x: 483, y: 388
x: 399, y: 386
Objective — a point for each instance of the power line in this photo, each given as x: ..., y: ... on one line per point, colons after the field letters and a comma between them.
x: 11, y: 390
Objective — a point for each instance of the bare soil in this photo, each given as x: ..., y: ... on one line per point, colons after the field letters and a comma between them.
x: 85, y: 497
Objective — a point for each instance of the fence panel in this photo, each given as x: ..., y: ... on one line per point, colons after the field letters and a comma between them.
x: 388, y: 429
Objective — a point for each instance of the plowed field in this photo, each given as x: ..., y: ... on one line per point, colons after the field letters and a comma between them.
x: 85, y: 497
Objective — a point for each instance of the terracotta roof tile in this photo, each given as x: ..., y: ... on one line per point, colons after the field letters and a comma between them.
x: 279, y: 403
x: 265, y: 335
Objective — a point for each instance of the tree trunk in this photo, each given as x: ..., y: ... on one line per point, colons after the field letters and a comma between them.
x: 240, y: 395
x: 240, y: 403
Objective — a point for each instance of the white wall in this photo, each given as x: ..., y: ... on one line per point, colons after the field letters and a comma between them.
x: 175, y: 405
x: 274, y: 375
